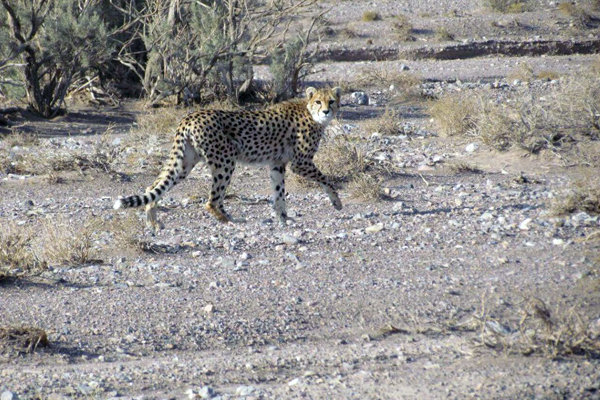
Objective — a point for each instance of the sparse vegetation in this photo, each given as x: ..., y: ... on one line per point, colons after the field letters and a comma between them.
x: 523, y: 72
x: 388, y: 123
x: 366, y: 187
x: 508, y: 6
x: 584, y: 195
x: 22, y: 339
x: 340, y: 159
x: 17, y: 256
x: 403, y: 29
x: 369, y: 16
x: 533, y: 122
x: 454, y: 113
x: 463, y: 167
x: 443, y: 35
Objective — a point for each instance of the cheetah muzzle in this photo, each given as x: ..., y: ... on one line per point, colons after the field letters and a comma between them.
x: 287, y: 133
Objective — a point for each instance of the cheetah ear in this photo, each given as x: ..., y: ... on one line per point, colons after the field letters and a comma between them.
x: 337, y: 92
x: 310, y: 92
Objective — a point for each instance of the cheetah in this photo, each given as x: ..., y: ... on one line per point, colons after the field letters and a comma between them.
x: 285, y: 133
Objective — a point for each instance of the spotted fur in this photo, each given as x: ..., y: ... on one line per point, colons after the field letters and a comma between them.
x: 286, y: 133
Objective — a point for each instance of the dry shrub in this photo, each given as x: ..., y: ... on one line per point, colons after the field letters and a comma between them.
x: 125, y: 232
x: 17, y: 256
x: 522, y: 72
x: 564, y: 114
x: 21, y: 139
x: 369, y: 16
x: 582, y: 196
x: 548, y: 75
x: 508, y: 6
x: 562, y: 333
x: 403, y: 86
x: 454, y: 113
x: 539, y: 330
x: 64, y: 242
x: 22, y: 339
x: 387, y: 124
x: 443, y: 35
x: 365, y: 187
x: 463, y: 167
x: 340, y: 159
x: 403, y: 28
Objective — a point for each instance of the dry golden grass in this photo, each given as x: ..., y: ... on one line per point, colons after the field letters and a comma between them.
x: 523, y: 72
x: 508, y: 6
x: 340, y: 159
x: 387, y: 124
x: 584, y: 195
x: 537, y: 329
x: 65, y: 242
x: 22, y: 339
x: 365, y: 187
x: 443, y: 35
x: 21, y: 139
x: 403, y: 28
x: 463, y: 167
x: 369, y: 16
x: 565, y: 114
x: 17, y: 255
x: 454, y: 113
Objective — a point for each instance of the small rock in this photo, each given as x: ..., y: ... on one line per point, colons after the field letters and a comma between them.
x: 404, y: 67
x: 471, y: 147
x: 289, y: 239
x: 524, y: 225
x: 244, y: 390
x: 374, y: 228
x: 360, y: 98
x: 209, y: 308
x: 558, y: 242
x: 8, y: 395
x: 294, y: 382
x: 206, y: 392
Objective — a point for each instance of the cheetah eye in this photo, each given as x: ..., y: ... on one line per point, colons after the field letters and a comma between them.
x: 318, y: 102
x: 331, y: 102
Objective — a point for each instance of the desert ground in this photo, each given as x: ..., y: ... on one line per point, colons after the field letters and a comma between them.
x: 459, y: 267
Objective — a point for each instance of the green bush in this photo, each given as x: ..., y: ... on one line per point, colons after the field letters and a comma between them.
x: 56, y: 41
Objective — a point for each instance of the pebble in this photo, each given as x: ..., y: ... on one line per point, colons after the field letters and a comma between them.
x: 244, y: 390
x: 360, y: 98
x: 8, y: 395
x: 206, y: 392
x: 289, y: 239
x: 524, y: 225
x: 471, y: 147
x: 374, y: 228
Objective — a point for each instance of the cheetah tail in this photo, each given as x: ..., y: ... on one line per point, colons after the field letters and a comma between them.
x: 168, y: 177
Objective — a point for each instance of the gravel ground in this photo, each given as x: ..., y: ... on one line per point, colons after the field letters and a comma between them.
x: 424, y: 294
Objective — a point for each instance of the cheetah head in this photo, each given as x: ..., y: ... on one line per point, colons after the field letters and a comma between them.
x: 323, y: 103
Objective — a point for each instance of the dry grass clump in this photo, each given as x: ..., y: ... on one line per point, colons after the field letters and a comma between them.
x: 454, y: 113
x: 508, y: 6
x: 369, y: 16
x: 21, y: 139
x: 403, y: 28
x: 365, y: 187
x: 65, y: 243
x: 561, y: 333
x: 565, y: 114
x: 340, y: 159
x: 22, y: 339
x: 582, y: 196
x: 17, y: 256
x: 443, y: 35
x: 523, y: 72
x: 463, y: 167
x: 387, y: 124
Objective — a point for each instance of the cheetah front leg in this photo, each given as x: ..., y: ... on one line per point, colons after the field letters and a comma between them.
x: 309, y: 170
x: 277, y: 174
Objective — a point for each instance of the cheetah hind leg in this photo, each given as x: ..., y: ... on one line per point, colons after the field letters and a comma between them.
x: 151, y: 221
